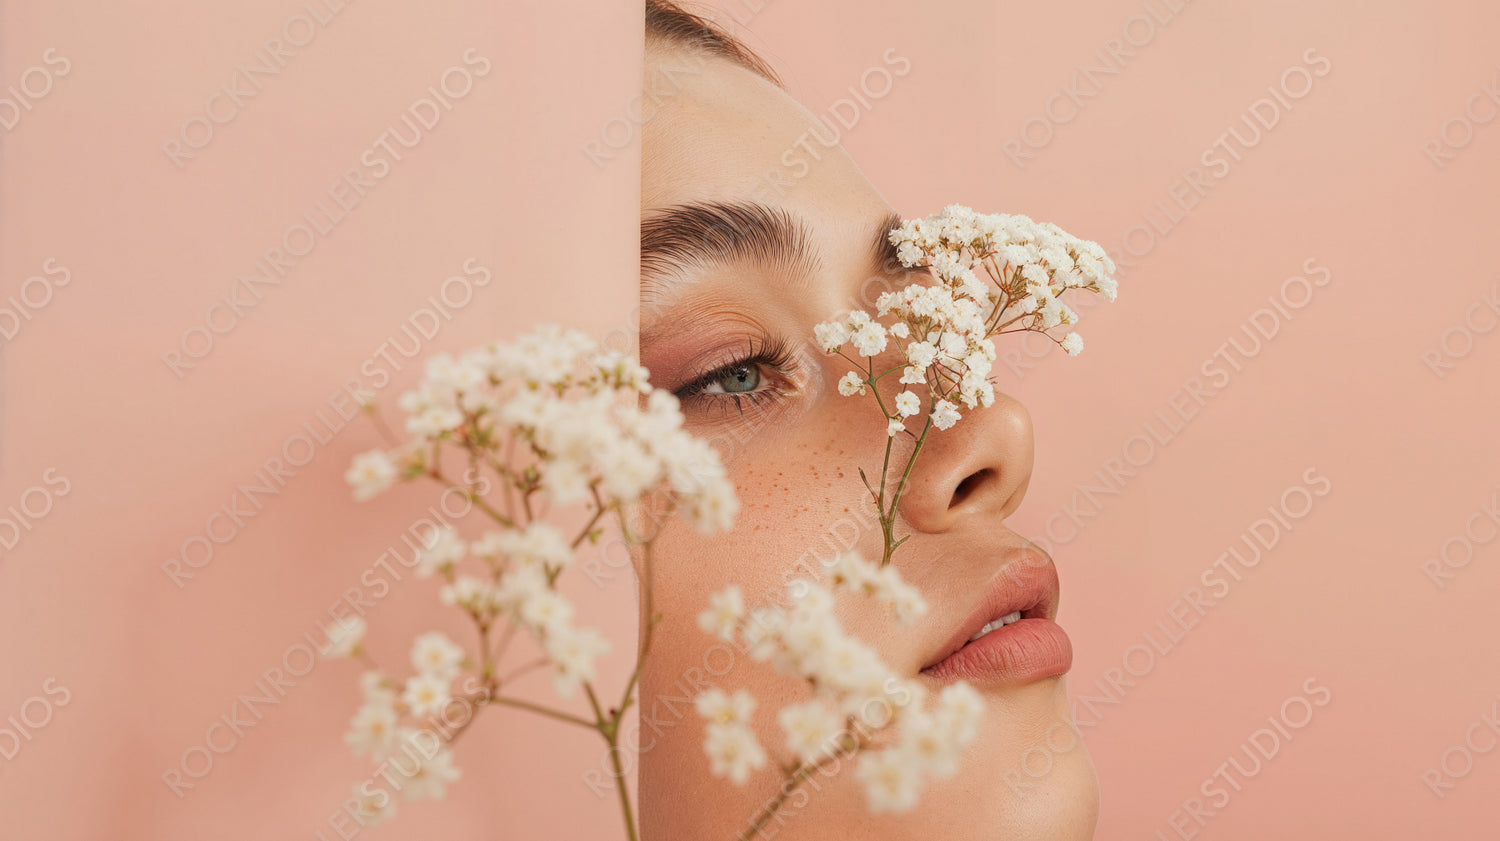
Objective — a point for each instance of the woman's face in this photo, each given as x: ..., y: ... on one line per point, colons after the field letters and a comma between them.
x: 742, y: 254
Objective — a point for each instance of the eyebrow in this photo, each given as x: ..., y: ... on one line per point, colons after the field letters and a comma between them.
x: 718, y: 234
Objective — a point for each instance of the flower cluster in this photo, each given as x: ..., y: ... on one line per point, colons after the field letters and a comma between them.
x: 855, y: 694
x: 558, y: 423
x: 948, y: 325
x: 556, y: 393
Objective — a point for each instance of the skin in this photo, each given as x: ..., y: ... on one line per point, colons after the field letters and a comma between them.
x: 794, y: 459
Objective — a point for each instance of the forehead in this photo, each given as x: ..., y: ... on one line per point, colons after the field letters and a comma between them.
x: 717, y: 132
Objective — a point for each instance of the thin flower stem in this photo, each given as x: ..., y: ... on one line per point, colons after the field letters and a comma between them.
x: 795, y: 778
x: 599, y: 509
x: 381, y: 427
x: 889, y: 517
x: 610, y: 727
x: 541, y: 710
x: 523, y: 669
x: 474, y: 498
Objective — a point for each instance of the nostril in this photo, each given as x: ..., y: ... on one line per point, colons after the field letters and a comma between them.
x: 968, y: 485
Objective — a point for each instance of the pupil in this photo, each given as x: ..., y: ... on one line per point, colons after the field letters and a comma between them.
x: 742, y: 378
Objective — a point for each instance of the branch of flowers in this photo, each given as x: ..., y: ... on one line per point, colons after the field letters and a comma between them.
x: 647, y: 633
x: 890, y: 548
x: 610, y: 727
x: 794, y: 778
x: 476, y: 700
x: 599, y: 509
x: 504, y: 642
x: 475, y: 498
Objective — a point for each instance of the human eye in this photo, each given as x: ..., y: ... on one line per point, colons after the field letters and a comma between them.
x: 756, y: 377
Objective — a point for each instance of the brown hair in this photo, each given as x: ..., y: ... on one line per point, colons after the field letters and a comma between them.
x: 666, y: 21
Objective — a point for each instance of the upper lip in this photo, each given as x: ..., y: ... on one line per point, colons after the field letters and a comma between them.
x: 1026, y: 582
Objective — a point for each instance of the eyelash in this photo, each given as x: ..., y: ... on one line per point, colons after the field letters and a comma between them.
x: 774, y: 353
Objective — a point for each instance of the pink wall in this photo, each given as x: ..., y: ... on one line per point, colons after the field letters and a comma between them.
x: 1402, y: 668
x: 147, y: 457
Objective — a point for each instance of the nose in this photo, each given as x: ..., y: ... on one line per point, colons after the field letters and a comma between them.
x: 980, y: 467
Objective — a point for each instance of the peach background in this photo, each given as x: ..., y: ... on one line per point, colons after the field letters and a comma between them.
x: 502, y: 178
x: 1342, y: 389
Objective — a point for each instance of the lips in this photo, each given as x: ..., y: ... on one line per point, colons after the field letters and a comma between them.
x: 996, y: 647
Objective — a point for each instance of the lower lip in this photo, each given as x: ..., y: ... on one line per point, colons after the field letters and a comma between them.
x: 1021, y: 652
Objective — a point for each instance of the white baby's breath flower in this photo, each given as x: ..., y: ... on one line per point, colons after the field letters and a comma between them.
x: 733, y: 752
x: 377, y: 689
x: 344, y: 637
x: 434, y: 654
x: 851, y: 384
x: 545, y: 611
x: 725, y: 610
x: 831, y: 335
x: 928, y: 745
x: 921, y: 354
x: 467, y: 592
x: 372, y: 731
x: 944, y: 415
x: 433, y: 421
x: 869, y: 339
x: 540, y: 544
x: 573, y: 651
x: 1072, y: 344
x: 907, y: 404
x: 959, y: 712
x: 894, y: 427
x: 489, y: 546
x: 812, y: 729
x: 423, y: 773
x: 892, y: 782
x: 441, y: 549
x: 426, y: 694
x: 370, y: 473
x: 720, y: 707
x: 517, y: 588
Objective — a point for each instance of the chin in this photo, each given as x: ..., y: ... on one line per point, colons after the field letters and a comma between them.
x: 1031, y: 776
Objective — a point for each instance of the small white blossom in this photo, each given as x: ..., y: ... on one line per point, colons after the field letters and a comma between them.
x: 423, y: 772
x: 344, y: 637
x: 812, y: 729
x: 441, y: 549
x: 372, y: 731
x: 1072, y: 344
x: 892, y: 782
x: 370, y: 473
x: 907, y: 404
x: 545, y: 611
x: 831, y: 335
x: 426, y: 694
x: 851, y: 384
x: 377, y: 689
x: 434, y: 654
x: 944, y: 414
x: 733, y: 752
x: 720, y: 707
x: 539, y: 544
x: 869, y: 339
x: 725, y: 610
x: 573, y: 651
